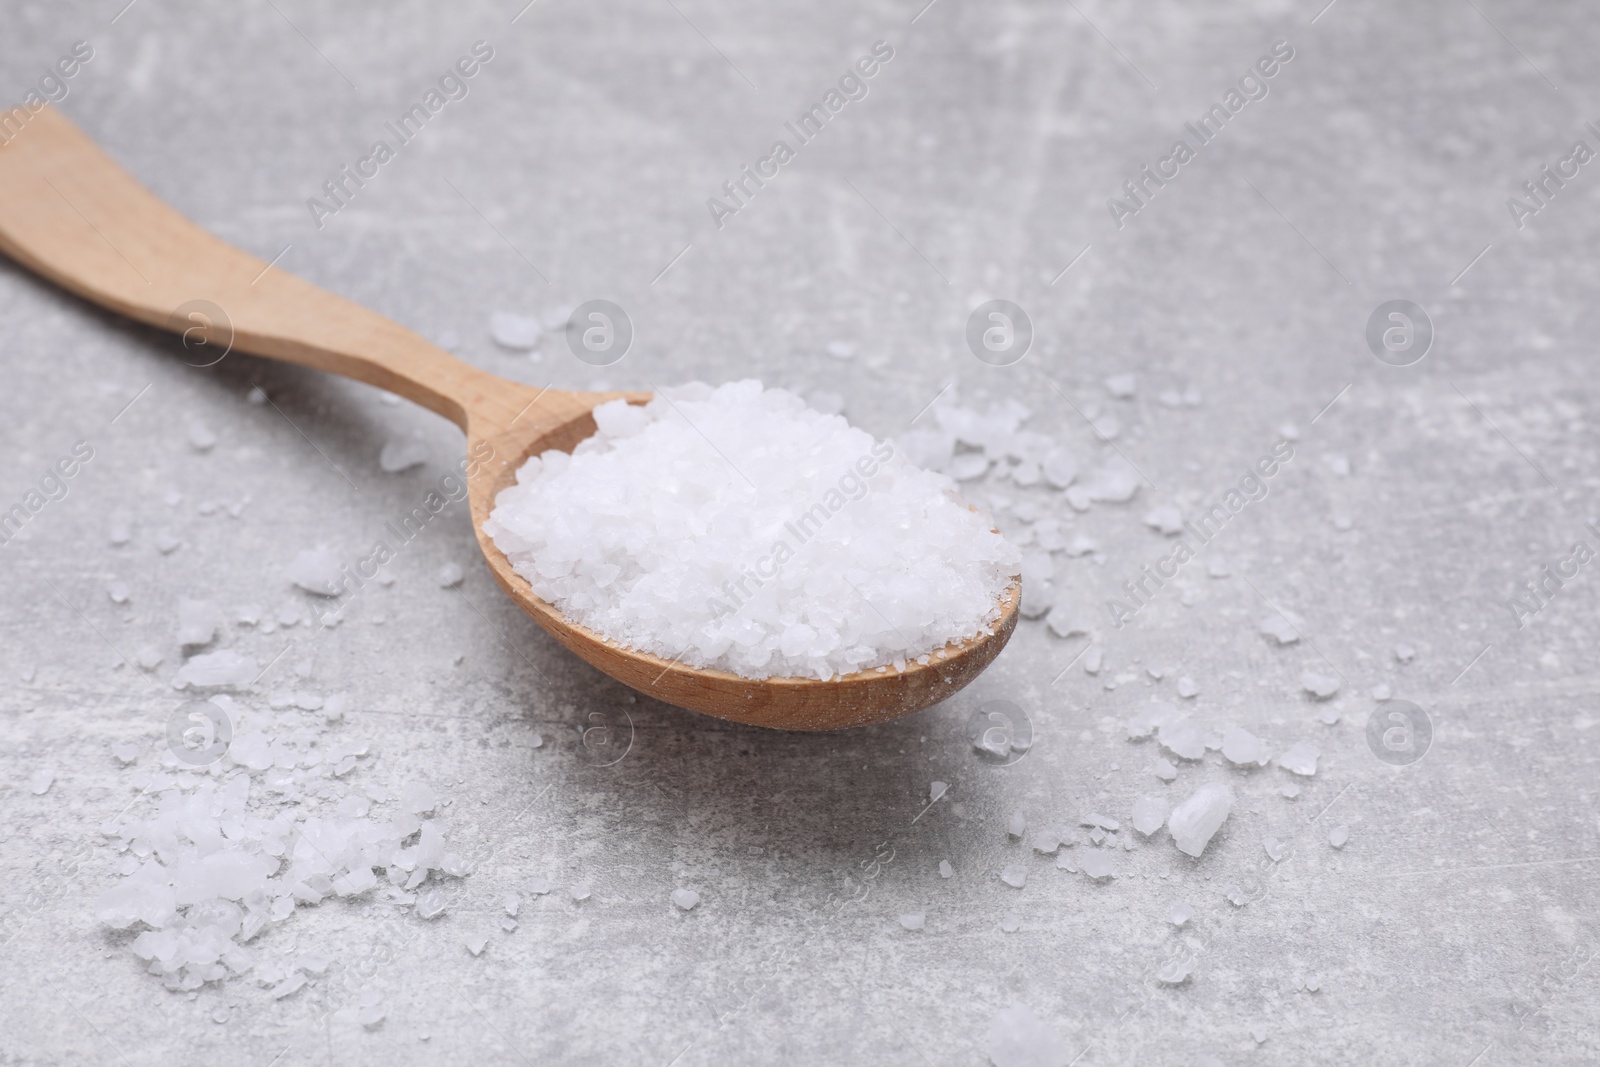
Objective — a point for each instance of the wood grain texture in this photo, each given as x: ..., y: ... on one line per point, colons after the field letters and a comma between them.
x: 70, y: 213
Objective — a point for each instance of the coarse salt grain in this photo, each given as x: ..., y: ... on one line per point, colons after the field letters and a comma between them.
x: 739, y: 529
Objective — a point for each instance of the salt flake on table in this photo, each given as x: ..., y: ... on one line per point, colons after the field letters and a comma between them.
x: 517, y: 332
x: 1300, y: 758
x: 1243, y: 748
x: 450, y: 575
x: 1282, y: 627
x: 1015, y: 876
x: 39, y: 784
x: 945, y: 870
x: 685, y: 899
x: 913, y: 920
x: 1321, y: 686
x: 1180, y: 914
x: 1339, y: 835
x: 1194, y: 822
x: 1149, y: 814
x: 316, y: 570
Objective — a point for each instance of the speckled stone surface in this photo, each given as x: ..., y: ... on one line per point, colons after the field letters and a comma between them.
x: 1456, y: 926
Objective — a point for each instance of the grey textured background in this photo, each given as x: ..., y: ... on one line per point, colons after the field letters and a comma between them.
x: 1459, y: 921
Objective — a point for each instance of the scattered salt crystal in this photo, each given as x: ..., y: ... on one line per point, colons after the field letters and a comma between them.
x: 1235, y: 894
x: 1321, y: 686
x: 1010, y: 922
x: 1017, y: 824
x: 1280, y: 627
x: 1116, y: 482
x: 371, y: 1016
x: 117, y: 591
x: 1194, y: 821
x: 1275, y: 849
x: 291, y: 984
x: 1165, y: 519
x: 1149, y: 813
x: 1065, y: 862
x: 1165, y: 770
x: 1180, y: 914
x: 217, y: 670
x: 685, y: 898
x: 945, y: 870
x: 967, y: 466
x: 1068, y: 620
x: 1339, y: 835
x: 166, y: 542
x: 913, y: 920
x: 1097, y: 835
x: 1018, y: 1038
x: 476, y: 943
x: 1121, y: 386
x: 430, y: 904
x: 450, y: 575
x: 120, y: 534
x: 1059, y: 468
x: 1182, y: 738
x: 518, y: 332
x: 1187, y: 687
x: 201, y: 439
x: 256, y: 396
x: 1300, y: 758
x: 1404, y: 653
x: 784, y: 492
x: 126, y: 752
x: 1096, y: 864
x: 316, y: 570
x: 842, y: 349
x: 512, y: 903
x: 39, y: 784
x: 1381, y: 691
x: 580, y: 891
x: 198, y: 622
x: 1108, y: 427
x: 936, y: 790
x: 1290, y: 790
x: 402, y: 453
x: 1046, y: 841
x: 1217, y: 567
x: 1338, y: 463
x: 1082, y: 546
x: 508, y: 924
x: 538, y: 886
x: 1093, y: 818
x: 1328, y: 714
x: 1243, y: 748
x: 1015, y: 875
x: 418, y: 798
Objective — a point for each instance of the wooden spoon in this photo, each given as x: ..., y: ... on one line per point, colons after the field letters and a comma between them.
x: 68, y: 212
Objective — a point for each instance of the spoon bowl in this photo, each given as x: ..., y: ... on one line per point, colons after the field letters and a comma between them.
x: 70, y: 213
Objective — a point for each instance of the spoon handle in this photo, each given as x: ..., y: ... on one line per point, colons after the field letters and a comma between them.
x: 71, y: 214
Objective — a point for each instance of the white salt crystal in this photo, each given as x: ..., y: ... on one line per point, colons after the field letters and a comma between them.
x: 967, y: 466
x: 538, y: 886
x: 1275, y: 849
x: 450, y: 575
x: 39, y: 784
x: 291, y: 984
x: 1284, y: 628
x: 316, y: 570
x: 1149, y: 813
x: 1187, y: 687
x: 1182, y: 738
x: 1116, y: 482
x: 936, y: 790
x: 1338, y: 463
x: 1015, y: 875
x: 1096, y: 819
x: 418, y: 798
x: 798, y: 520
x: 1180, y: 914
x: 371, y: 1016
x: 1018, y: 1038
x: 1381, y: 691
x: 1243, y: 748
x: 1165, y: 519
x: 1046, y: 841
x: 402, y: 453
x: 945, y: 870
x: 1059, y: 468
x: 166, y: 542
x: 580, y: 891
x: 201, y: 439
x: 1235, y: 895
x: 1017, y: 824
x: 430, y: 904
x: 1290, y: 790
x: 1404, y: 653
x: 1321, y: 686
x: 1107, y: 427
x: 1121, y: 386
x: 1096, y: 864
x: 1300, y: 758
x: 685, y: 898
x: 1010, y: 922
x: 1339, y: 835
x: 1092, y: 660
x: 117, y: 591
x: 1068, y: 620
x: 842, y: 349
x: 476, y: 943
x: 225, y: 669
x: 1194, y: 821
x: 126, y: 752
x: 198, y: 622
x: 1165, y: 770
x: 518, y: 332
x: 1217, y: 567
x: 120, y: 533
x: 913, y: 920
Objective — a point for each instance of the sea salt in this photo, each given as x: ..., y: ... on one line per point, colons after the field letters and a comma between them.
x: 1321, y: 686
x: 1149, y: 814
x: 1339, y: 835
x: 1300, y: 758
x: 945, y: 870
x: 685, y: 898
x: 1015, y: 876
x: 316, y: 570
x: 41, y: 781
x: 1180, y: 914
x: 913, y: 920
x: 1243, y: 748
x: 1194, y: 821
x: 518, y: 332
x: 1280, y: 627
x: 737, y: 528
x: 1096, y: 864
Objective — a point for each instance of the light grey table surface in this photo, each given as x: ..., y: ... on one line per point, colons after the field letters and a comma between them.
x: 1457, y: 926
